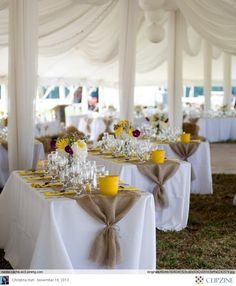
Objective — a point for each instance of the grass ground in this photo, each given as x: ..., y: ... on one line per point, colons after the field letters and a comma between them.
x: 209, y: 241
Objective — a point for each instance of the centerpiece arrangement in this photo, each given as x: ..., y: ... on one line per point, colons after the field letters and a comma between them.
x: 124, y: 129
x: 159, y: 122
x: 71, y: 147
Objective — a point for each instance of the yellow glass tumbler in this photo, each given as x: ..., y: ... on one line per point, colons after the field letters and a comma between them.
x: 109, y: 185
x: 158, y: 156
x: 185, y: 137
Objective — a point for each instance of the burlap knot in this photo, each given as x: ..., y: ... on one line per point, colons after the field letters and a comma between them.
x: 184, y: 151
x: 108, y: 122
x: 108, y: 210
x: 4, y: 144
x: 88, y: 122
x: 159, y: 173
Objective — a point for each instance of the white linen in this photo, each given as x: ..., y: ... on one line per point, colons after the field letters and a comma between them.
x: 175, y: 216
x: 23, y: 59
x: 56, y: 233
x: 201, y: 164
x: 4, y: 166
x: 47, y: 128
x: 217, y: 129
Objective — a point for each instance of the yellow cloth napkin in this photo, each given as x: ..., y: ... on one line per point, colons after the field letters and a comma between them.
x: 126, y: 161
x: 128, y: 188
x: 94, y: 150
x: 45, y: 178
x: 28, y: 173
x: 50, y: 185
x: 56, y: 194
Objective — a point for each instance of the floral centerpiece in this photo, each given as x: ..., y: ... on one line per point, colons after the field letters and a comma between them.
x: 159, y: 121
x: 124, y: 129
x: 71, y: 146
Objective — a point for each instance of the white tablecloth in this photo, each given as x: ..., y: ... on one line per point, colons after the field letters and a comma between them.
x: 47, y: 128
x: 57, y: 233
x: 175, y: 216
x: 4, y: 167
x: 201, y: 164
x: 217, y: 129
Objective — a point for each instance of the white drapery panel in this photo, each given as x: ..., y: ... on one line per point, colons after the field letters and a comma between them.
x: 227, y: 78
x: 127, y: 53
x: 175, y: 69
x: 23, y: 36
x: 214, y: 20
x: 90, y: 54
x: 207, y: 74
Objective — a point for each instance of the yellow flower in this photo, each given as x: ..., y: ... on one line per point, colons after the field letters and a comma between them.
x: 118, y: 131
x: 81, y: 144
x: 130, y: 132
x: 62, y: 143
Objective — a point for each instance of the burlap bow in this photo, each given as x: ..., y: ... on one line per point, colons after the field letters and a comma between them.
x: 108, y: 122
x: 88, y: 122
x: 159, y: 173
x: 184, y: 151
x: 108, y: 210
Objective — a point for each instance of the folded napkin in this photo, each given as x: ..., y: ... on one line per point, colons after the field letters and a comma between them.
x: 126, y: 161
x: 94, y: 150
x: 56, y: 194
x: 128, y: 188
x: 45, y: 185
x: 27, y: 173
x: 43, y: 178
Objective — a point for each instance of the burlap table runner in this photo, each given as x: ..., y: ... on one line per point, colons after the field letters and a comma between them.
x: 108, y: 210
x: 108, y: 121
x: 88, y: 122
x: 159, y: 173
x: 184, y: 151
x: 4, y: 144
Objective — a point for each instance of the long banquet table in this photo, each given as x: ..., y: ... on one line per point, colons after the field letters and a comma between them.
x: 175, y: 216
x: 217, y: 129
x: 4, y: 167
x: 56, y: 233
x: 201, y: 164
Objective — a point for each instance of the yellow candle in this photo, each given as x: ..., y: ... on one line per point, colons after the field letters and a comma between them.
x: 158, y: 156
x: 109, y: 185
x: 185, y: 137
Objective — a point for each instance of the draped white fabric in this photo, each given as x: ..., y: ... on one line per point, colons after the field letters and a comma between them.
x: 227, y: 78
x: 89, y: 54
x: 127, y: 52
x: 175, y: 61
x: 214, y: 20
x: 207, y: 74
x: 22, y: 81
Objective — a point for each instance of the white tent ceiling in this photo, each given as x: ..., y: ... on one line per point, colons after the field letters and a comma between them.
x: 78, y: 43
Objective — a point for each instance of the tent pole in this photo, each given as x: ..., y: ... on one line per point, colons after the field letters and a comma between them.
x: 23, y: 58
x: 127, y: 57
x: 175, y: 67
x: 207, y: 55
x: 227, y: 79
